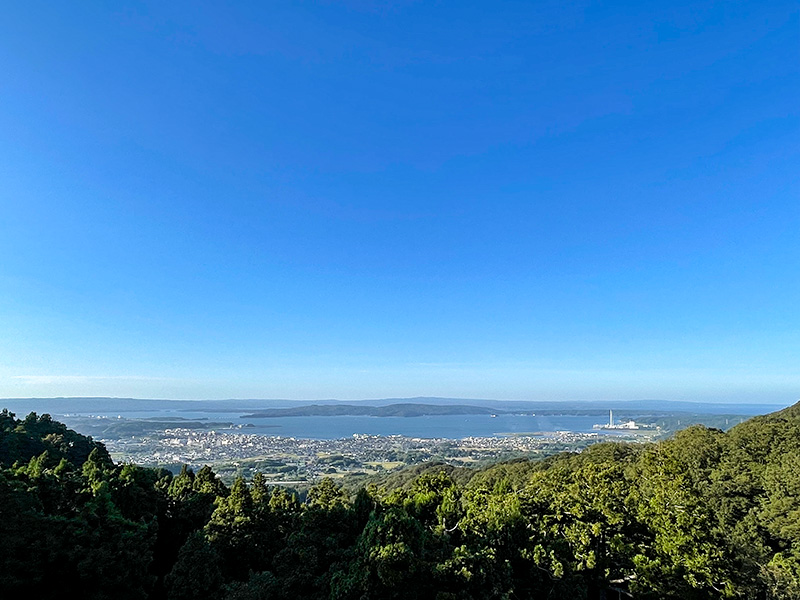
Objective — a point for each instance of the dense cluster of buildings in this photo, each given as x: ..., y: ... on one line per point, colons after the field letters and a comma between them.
x: 310, y: 458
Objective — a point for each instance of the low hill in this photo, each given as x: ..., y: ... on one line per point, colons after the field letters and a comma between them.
x: 23, y: 439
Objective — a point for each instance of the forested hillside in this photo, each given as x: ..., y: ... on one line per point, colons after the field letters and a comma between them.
x: 705, y: 514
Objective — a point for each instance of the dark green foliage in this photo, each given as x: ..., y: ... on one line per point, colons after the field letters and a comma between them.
x: 21, y: 440
x: 324, y: 531
x: 64, y: 537
x: 703, y: 515
x: 389, y: 560
x: 196, y: 573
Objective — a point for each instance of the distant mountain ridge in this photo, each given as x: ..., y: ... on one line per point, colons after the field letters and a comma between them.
x: 109, y: 405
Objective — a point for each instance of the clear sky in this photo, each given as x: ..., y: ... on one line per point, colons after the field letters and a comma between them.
x: 512, y: 200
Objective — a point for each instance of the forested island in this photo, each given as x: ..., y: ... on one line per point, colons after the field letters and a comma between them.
x: 704, y: 514
x: 392, y: 410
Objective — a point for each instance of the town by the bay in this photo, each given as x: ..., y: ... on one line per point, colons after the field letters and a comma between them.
x: 297, y: 445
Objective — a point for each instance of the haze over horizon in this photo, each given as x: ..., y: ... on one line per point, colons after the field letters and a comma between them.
x: 111, y: 406
x: 550, y: 201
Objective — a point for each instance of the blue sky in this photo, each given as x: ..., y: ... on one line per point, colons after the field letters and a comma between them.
x: 513, y: 200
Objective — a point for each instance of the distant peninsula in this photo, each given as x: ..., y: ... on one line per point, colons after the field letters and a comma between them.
x: 391, y: 410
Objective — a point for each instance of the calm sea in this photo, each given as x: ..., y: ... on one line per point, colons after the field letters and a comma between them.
x: 446, y: 426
